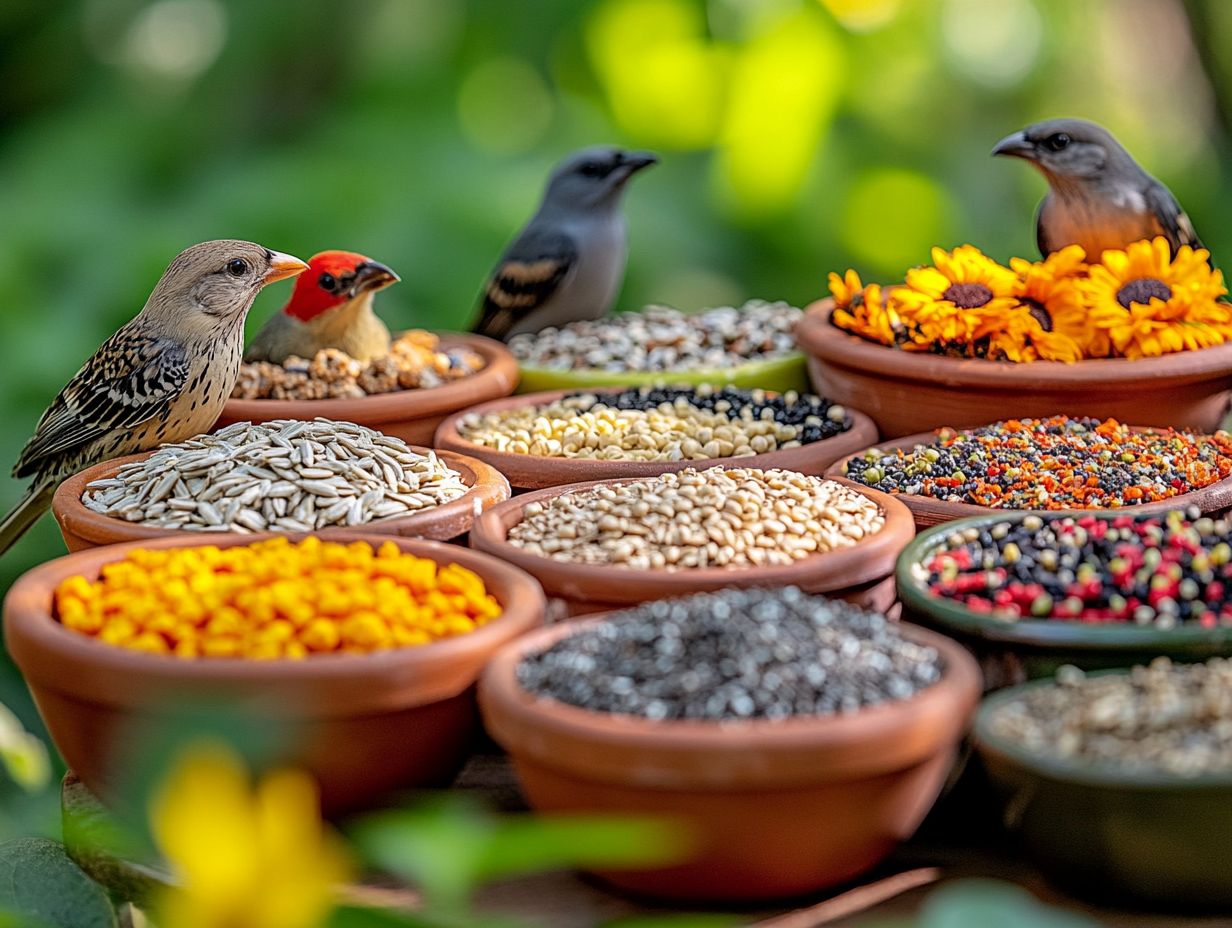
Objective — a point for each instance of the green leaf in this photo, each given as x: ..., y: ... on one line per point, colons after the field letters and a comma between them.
x: 40, y: 882
x: 980, y: 903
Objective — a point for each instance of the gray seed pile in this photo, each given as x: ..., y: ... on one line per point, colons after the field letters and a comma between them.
x: 286, y: 475
x: 734, y: 654
x: 664, y: 339
x: 1165, y: 718
x: 717, y: 517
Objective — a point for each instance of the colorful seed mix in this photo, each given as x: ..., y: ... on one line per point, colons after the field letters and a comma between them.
x: 731, y: 655
x: 274, y: 599
x: 1055, y: 463
x: 659, y: 424
x: 1151, y: 570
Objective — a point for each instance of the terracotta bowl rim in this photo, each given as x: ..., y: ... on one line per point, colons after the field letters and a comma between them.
x: 98, y: 529
x: 637, y: 738
x: 448, y: 437
x: 987, y: 742
x: 498, y: 377
x: 819, y: 338
x: 27, y: 607
x: 1120, y: 637
x: 930, y: 504
x: 489, y: 536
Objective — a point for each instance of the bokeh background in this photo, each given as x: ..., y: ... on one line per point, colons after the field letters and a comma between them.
x: 798, y: 136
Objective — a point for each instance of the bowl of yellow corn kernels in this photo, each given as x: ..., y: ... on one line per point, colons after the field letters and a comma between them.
x: 359, y: 656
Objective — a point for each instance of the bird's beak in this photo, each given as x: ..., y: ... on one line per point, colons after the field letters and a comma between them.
x: 1015, y: 146
x: 633, y: 161
x: 283, y: 266
x: 371, y: 276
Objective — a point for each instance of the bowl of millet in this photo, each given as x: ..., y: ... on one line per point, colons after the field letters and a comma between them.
x: 607, y: 544
x: 548, y: 439
x: 358, y: 655
x: 794, y: 740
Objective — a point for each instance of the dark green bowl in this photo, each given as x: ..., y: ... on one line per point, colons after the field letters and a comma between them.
x: 1110, y: 833
x: 1011, y: 651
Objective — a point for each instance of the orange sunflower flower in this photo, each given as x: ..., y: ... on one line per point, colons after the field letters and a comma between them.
x: 1149, y: 302
x: 1059, y: 328
x: 861, y: 310
x: 962, y: 293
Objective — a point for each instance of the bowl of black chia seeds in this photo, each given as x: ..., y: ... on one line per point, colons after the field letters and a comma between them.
x: 1120, y: 782
x: 798, y: 739
x: 1032, y: 592
x: 751, y: 346
x: 549, y: 439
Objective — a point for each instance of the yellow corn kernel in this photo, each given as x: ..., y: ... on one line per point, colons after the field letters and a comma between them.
x: 321, y: 635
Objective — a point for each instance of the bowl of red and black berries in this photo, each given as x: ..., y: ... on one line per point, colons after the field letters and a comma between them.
x: 1119, y: 783
x: 794, y: 740
x: 1030, y: 593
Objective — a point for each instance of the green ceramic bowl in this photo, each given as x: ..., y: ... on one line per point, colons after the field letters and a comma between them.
x: 1027, y: 649
x: 1112, y: 833
x: 789, y: 372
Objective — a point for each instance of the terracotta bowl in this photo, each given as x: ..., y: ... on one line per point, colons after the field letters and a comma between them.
x: 83, y: 528
x: 363, y: 725
x: 860, y: 573
x: 928, y: 512
x: 775, y: 809
x: 411, y: 415
x: 533, y: 472
x: 905, y: 392
x: 1127, y: 820
x: 1011, y: 652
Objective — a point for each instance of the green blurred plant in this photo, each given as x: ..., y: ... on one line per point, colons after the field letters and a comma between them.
x: 985, y: 903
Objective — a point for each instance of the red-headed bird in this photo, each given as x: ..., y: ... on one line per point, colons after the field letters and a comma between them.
x: 163, y: 377
x: 331, y: 307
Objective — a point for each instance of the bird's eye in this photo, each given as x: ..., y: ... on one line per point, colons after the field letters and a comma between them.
x: 1057, y: 141
x: 592, y: 169
x: 326, y: 282
x: 237, y: 267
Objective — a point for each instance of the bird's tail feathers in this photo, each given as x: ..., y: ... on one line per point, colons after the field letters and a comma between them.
x: 27, y: 511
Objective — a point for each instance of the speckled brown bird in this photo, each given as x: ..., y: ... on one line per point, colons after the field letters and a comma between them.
x: 1099, y: 196
x: 163, y: 377
x: 331, y: 307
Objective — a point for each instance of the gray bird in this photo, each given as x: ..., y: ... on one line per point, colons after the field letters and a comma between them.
x: 1100, y: 197
x: 569, y: 261
x: 163, y: 377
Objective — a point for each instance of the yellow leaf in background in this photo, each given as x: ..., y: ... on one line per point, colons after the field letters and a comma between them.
x: 785, y: 84
x: 862, y: 15
x: 664, y: 79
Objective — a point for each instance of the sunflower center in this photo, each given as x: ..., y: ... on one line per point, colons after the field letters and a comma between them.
x: 967, y: 296
x: 1038, y: 312
x: 1143, y: 290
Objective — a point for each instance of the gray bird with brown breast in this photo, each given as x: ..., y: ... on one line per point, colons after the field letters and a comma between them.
x: 1100, y: 197
x: 569, y: 261
x: 163, y: 377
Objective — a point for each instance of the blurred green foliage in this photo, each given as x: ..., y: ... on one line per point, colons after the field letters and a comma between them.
x: 800, y: 136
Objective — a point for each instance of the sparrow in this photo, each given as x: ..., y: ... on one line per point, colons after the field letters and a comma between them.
x: 163, y: 377
x: 569, y: 261
x: 1100, y: 197
x: 330, y: 307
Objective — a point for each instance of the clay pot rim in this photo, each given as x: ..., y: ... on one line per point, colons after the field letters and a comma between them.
x: 449, y: 437
x: 485, y: 486
x: 956, y: 619
x: 847, y: 567
x: 928, y: 505
x: 497, y: 378
x: 881, y: 730
x: 28, y: 614
x: 989, y: 743
x: 821, y: 339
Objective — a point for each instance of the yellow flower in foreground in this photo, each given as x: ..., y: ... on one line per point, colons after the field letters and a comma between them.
x: 1150, y: 303
x: 1059, y: 328
x: 860, y: 309
x: 244, y: 856
x: 956, y: 297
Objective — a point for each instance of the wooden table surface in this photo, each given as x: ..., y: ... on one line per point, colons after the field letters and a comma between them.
x: 950, y: 842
